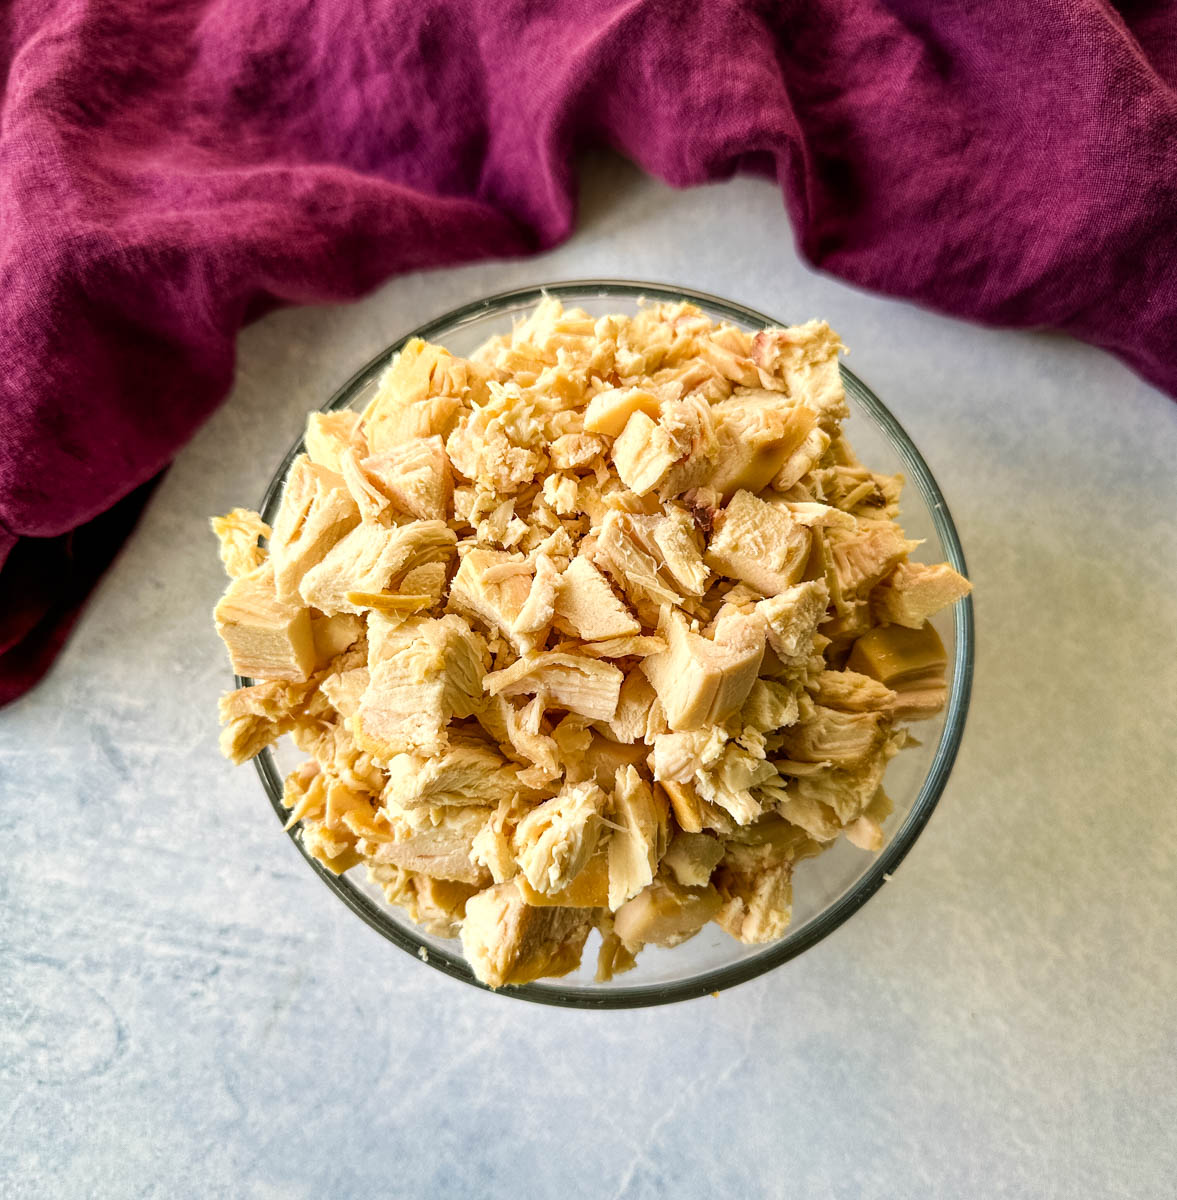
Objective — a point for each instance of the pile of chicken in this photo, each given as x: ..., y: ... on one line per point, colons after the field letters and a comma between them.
x: 605, y: 626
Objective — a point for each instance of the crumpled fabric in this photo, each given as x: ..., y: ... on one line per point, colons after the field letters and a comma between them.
x: 170, y: 170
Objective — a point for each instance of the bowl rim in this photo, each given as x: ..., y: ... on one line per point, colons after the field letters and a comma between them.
x: 886, y: 861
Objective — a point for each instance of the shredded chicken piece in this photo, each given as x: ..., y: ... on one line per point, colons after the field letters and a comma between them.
x: 329, y: 434
x: 506, y: 940
x: 702, y: 681
x: 759, y: 544
x: 423, y: 673
x: 316, y: 511
x: 914, y: 592
x: 415, y: 476
x: 238, y: 533
x: 267, y: 638
x: 586, y: 602
x: 368, y: 561
x: 603, y: 627
x: 554, y: 842
x: 581, y: 685
x: 665, y: 914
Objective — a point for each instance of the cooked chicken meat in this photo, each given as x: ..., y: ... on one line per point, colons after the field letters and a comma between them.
x: 605, y: 627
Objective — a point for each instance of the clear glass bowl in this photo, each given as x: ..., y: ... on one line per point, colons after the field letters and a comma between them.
x: 827, y: 889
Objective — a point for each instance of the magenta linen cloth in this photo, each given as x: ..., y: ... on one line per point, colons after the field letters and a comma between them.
x: 169, y: 170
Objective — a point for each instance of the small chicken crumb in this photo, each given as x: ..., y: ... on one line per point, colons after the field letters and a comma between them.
x: 604, y: 627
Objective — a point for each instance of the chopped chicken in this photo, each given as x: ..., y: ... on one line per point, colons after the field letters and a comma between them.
x: 665, y: 914
x: 699, y: 681
x: 851, y: 692
x: 757, y: 898
x: 628, y: 723
x: 476, y: 594
x: 603, y: 627
x: 368, y: 560
x: 316, y: 512
x: 758, y: 433
x: 609, y: 411
x: 618, y: 551
x: 669, y: 455
x: 758, y: 543
x: 913, y: 592
x: 588, y: 889
x: 581, y: 685
x: 826, y: 735
x: 344, y: 690
x: 676, y: 547
x: 415, y: 476
x: 470, y: 771
x: 586, y: 602
x: 792, y: 617
x: 805, y: 359
x: 335, y: 634
x: 640, y: 840
x: 508, y: 941
x: 862, y: 558
x: 440, y: 847
x: 238, y: 533
x: 329, y: 434
x: 910, y: 662
x: 423, y: 673
x: 267, y: 638
x: 420, y: 395
x: 692, y: 857
x: 554, y: 842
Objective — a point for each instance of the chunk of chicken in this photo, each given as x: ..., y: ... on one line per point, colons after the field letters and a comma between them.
x: 730, y: 781
x: 344, y: 689
x: 862, y: 557
x: 585, y: 601
x: 618, y: 551
x: 370, y: 559
x: 440, y: 848
x: 757, y: 899
x: 423, y: 673
x: 469, y: 771
x: 589, y: 888
x: 692, y: 857
x: 849, y: 691
x: 421, y: 394
x: 494, y: 601
x: 316, y: 512
x: 825, y: 735
x: 628, y: 724
x: 699, y: 681
x: 238, y: 532
x: 910, y: 662
x: 256, y: 716
x: 554, y: 842
x: 665, y: 914
x: 670, y: 455
x: 508, y: 941
x: 636, y: 847
x: 267, y: 638
x: 792, y: 617
x: 329, y: 434
x: 609, y: 411
x: 758, y: 543
x: 580, y: 685
x: 913, y: 592
x: 758, y: 432
x: 805, y: 359
x: 415, y: 476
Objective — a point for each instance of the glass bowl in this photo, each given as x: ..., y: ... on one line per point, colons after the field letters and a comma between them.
x: 827, y: 889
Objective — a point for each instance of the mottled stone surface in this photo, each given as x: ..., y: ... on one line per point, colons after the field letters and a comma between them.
x: 185, y: 1010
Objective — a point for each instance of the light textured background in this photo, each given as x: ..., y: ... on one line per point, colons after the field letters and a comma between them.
x: 186, y: 1011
